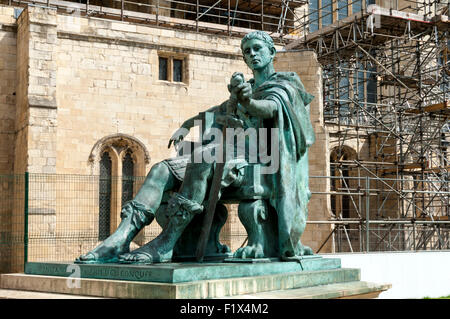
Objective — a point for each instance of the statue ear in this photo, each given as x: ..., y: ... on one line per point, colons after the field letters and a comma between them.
x: 273, y: 51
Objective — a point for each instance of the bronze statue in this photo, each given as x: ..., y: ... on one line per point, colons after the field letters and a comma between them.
x: 272, y: 204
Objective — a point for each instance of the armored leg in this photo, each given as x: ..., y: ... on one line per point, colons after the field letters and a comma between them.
x: 134, y: 217
x: 135, y: 214
x: 180, y: 212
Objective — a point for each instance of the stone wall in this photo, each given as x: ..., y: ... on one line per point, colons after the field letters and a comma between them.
x: 107, y: 81
x: 8, y: 45
x: 11, y: 188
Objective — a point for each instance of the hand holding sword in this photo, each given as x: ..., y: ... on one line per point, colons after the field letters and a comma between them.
x: 236, y: 84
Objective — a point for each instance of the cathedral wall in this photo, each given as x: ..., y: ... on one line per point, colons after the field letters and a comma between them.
x: 8, y: 64
x: 108, y: 83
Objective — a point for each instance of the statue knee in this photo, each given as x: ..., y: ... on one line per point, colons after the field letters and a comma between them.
x: 159, y: 170
x: 200, y: 171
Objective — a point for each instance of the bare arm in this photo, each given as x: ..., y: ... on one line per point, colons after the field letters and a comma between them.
x: 259, y: 108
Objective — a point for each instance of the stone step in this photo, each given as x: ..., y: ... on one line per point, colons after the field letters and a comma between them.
x: 216, y: 288
x: 346, y: 290
x: 354, y: 289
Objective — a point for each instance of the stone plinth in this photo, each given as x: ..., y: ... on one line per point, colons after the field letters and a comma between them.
x: 180, y: 272
x: 305, y: 279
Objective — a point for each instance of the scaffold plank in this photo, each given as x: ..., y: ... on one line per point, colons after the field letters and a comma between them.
x: 439, y: 107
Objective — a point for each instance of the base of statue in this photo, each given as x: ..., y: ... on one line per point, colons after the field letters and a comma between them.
x: 309, y: 277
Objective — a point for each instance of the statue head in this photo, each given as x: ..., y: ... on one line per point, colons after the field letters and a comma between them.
x: 260, y: 35
x: 256, y: 40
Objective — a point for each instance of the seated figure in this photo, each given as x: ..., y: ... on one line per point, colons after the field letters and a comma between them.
x: 273, y: 212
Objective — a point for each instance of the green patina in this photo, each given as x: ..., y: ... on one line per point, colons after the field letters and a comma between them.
x: 189, y: 271
x: 272, y: 202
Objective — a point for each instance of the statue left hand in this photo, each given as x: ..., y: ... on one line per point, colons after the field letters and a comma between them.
x: 178, y: 136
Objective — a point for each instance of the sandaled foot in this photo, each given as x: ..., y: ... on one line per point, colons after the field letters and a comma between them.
x: 106, y: 252
x: 88, y: 258
x: 250, y: 251
x: 136, y: 258
x: 134, y: 217
x: 147, y: 254
x: 180, y: 212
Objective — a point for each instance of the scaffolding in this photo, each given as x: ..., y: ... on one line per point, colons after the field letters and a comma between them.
x: 386, y: 69
x: 225, y: 17
x: 387, y: 108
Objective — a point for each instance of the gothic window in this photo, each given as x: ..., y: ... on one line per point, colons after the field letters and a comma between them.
x: 327, y: 12
x: 104, y: 196
x: 343, y: 94
x: 127, y: 178
x: 356, y: 6
x: 120, y: 161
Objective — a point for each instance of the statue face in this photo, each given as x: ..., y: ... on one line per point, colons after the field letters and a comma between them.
x: 257, y: 54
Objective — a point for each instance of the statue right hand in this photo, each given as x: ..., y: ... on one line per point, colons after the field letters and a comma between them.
x: 178, y: 136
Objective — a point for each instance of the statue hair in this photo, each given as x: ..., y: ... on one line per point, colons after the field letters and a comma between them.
x: 260, y: 35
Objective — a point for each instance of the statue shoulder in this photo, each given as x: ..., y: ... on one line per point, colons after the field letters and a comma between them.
x: 291, y: 79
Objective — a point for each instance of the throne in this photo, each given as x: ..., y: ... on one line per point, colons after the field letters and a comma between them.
x: 254, y: 211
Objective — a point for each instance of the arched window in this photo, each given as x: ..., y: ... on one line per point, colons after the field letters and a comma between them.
x: 104, y: 221
x: 121, y: 161
x: 127, y: 177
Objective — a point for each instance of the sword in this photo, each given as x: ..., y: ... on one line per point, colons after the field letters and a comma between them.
x: 214, y: 192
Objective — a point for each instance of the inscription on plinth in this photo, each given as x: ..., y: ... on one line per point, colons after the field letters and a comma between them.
x: 178, y: 272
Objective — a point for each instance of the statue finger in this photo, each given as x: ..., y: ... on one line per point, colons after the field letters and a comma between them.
x: 176, y: 144
x: 241, y: 86
x: 245, y: 90
x: 245, y: 93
